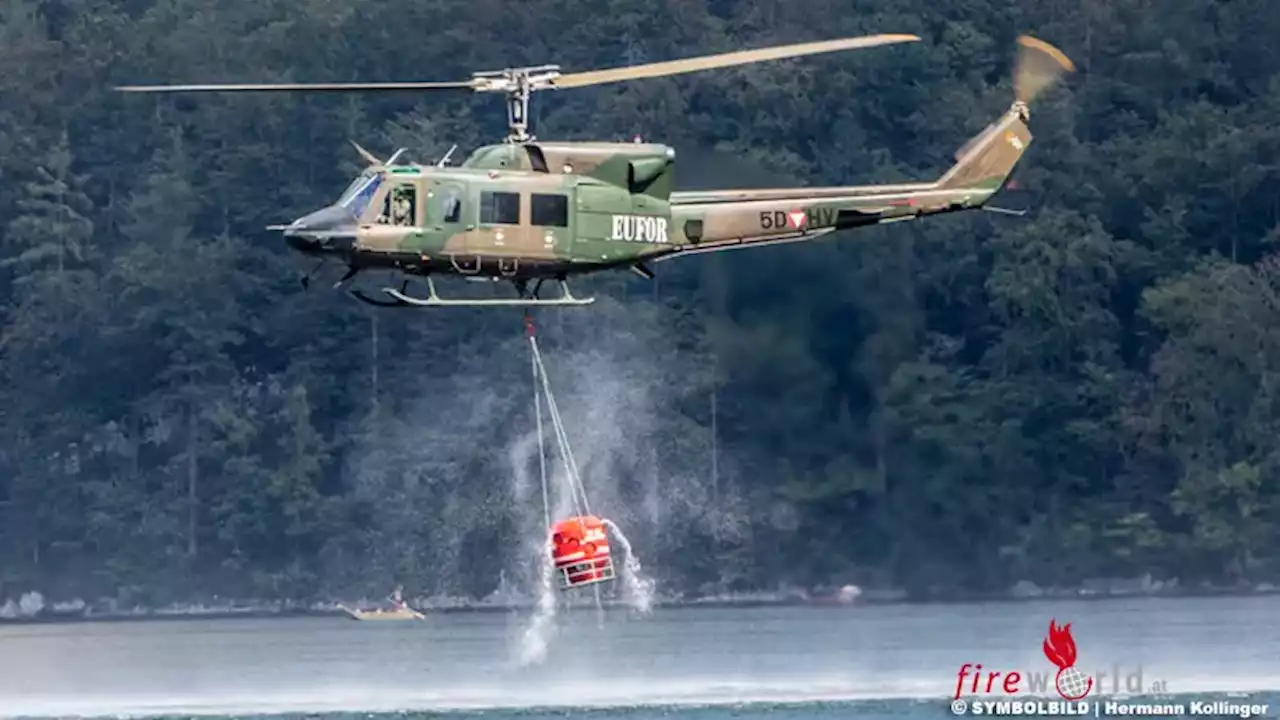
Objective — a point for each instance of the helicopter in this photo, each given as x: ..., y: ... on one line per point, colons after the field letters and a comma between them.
x: 527, y: 211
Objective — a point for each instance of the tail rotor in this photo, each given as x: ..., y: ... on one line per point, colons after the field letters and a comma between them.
x: 1037, y: 66
x: 989, y: 157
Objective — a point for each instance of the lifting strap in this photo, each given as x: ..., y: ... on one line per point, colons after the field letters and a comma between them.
x: 542, y: 382
x: 537, y: 413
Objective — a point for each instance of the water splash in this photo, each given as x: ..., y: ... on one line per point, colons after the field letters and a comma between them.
x: 518, y: 456
x: 537, y: 636
x: 599, y: 608
x: 637, y: 589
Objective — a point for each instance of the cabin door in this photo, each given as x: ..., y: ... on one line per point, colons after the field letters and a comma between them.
x: 551, y: 224
x: 444, y: 221
x: 444, y: 213
x: 503, y: 228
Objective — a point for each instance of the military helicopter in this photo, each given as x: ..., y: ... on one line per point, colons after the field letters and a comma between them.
x: 524, y: 210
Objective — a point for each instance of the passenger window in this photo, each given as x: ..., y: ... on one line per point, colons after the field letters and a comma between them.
x: 452, y: 206
x: 499, y: 208
x: 549, y: 210
x: 401, y: 206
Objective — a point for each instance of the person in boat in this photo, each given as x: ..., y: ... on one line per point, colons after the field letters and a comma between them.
x: 397, y: 598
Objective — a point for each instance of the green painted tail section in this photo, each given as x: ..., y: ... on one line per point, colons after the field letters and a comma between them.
x: 986, y: 161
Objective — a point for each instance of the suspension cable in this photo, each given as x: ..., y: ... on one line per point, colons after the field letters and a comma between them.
x: 537, y: 413
x: 577, y: 491
x: 566, y: 451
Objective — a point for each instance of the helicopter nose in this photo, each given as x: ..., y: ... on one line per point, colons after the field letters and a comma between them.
x: 328, y: 230
x: 300, y: 242
x: 320, y: 242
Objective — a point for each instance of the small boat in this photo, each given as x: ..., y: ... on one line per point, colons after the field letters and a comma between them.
x: 400, y: 613
x: 845, y: 596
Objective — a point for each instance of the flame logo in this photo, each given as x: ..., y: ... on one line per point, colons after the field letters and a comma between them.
x: 1060, y: 648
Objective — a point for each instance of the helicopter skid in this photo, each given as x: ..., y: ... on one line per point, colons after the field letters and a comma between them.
x: 402, y: 299
x: 359, y: 295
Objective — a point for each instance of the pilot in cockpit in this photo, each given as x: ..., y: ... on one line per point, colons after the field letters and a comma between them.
x: 402, y: 207
x: 400, y: 203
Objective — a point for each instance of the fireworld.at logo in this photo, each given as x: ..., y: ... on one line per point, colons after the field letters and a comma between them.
x: 1071, y: 684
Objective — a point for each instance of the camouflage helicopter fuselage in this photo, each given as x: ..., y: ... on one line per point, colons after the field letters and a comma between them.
x: 525, y: 210
x: 542, y: 210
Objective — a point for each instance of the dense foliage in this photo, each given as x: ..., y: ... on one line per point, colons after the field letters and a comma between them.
x: 1090, y: 390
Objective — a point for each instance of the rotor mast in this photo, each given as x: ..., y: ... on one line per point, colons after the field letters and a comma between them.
x: 518, y: 84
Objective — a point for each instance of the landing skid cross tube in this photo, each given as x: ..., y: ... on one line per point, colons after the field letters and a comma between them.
x: 400, y: 298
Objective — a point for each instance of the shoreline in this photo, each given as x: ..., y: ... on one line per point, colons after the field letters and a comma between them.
x: 285, y: 609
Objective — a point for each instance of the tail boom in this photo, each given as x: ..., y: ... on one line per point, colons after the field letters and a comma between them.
x: 707, y: 221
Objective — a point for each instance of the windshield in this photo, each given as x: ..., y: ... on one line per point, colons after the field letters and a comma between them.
x: 356, y: 198
x: 355, y: 185
x: 351, y: 189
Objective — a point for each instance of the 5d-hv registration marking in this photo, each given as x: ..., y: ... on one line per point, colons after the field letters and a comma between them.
x: 798, y: 219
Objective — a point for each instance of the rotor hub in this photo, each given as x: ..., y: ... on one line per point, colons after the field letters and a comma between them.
x: 514, y: 80
x: 518, y: 84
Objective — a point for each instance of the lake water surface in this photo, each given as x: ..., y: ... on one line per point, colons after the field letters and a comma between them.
x: 885, y: 660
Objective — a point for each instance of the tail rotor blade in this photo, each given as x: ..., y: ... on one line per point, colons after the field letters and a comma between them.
x: 1037, y: 66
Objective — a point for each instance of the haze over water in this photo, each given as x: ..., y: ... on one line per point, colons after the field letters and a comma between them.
x: 672, y: 657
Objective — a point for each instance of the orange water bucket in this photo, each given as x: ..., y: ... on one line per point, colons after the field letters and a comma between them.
x: 580, y: 552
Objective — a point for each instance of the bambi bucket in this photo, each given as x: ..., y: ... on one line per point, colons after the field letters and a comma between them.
x: 580, y: 552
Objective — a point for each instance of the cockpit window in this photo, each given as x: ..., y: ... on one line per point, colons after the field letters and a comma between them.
x: 357, y: 202
x: 400, y: 206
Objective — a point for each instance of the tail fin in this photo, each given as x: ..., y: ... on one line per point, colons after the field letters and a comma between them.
x: 986, y: 161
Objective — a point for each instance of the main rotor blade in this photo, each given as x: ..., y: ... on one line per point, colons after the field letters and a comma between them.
x: 708, y: 62
x: 366, y: 155
x: 302, y: 87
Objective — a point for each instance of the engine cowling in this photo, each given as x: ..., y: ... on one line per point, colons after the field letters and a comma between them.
x: 639, y: 168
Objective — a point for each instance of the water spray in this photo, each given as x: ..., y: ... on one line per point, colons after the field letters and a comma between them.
x: 578, y: 546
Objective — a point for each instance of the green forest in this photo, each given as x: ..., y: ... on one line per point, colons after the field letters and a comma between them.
x: 1090, y: 390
